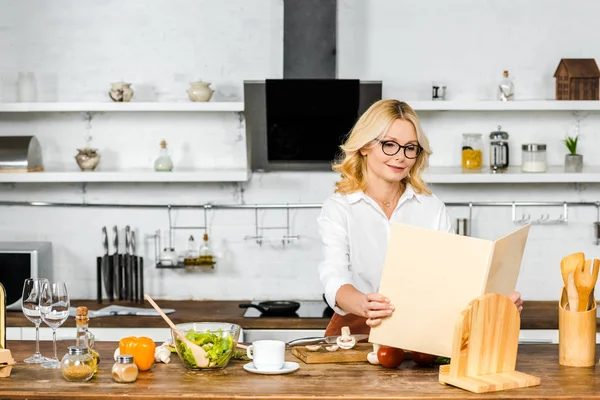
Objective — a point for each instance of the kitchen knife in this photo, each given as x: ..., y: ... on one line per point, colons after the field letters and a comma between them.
x: 116, y: 264
x: 134, y: 268
x: 127, y: 264
x: 324, y: 340
x: 105, y: 266
x: 141, y: 277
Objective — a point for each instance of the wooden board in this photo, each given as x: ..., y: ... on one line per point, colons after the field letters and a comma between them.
x: 484, y: 349
x: 431, y: 276
x: 356, y: 354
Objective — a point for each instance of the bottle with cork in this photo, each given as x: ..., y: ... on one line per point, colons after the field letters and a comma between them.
x: 85, y: 338
x: 206, y: 257
x: 163, y: 163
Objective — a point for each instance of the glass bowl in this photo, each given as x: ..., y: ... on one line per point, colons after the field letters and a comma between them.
x: 218, y: 339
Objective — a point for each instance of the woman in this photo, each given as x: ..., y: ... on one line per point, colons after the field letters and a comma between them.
x: 381, y: 166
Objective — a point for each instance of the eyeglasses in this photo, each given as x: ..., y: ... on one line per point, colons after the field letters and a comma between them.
x: 391, y: 148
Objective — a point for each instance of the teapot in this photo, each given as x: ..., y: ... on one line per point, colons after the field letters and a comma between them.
x: 200, y: 91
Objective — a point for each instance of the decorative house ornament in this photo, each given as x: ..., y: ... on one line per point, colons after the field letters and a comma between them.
x: 577, y: 79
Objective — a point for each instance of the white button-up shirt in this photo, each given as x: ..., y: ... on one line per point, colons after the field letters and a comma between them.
x: 355, y: 233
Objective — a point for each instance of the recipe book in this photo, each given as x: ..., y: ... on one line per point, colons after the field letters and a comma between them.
x: 431, y: 276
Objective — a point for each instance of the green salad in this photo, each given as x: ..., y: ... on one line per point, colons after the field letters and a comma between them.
x: 218, y: 347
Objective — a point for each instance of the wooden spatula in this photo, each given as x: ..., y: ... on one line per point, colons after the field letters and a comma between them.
x: 572, y: 293
x: 585, y: 280
x: 568, y: 265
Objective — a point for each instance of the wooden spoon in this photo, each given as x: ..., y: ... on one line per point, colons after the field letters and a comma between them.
x: 568, y: 265
x: 572, y: 293
x: 198, y: 352
x: 585, y: 280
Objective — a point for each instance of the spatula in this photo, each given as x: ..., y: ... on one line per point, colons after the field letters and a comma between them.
x: 198, y: 352
x: 585, y: 280
x: 569, y: 263
x: 572, y: 293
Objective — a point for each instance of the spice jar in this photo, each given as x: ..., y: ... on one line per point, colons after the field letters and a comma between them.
x: 77, y: 365
x: 534, y: 157
x: 471, y: 151
x: 498, y: 150
x: 125, y: 370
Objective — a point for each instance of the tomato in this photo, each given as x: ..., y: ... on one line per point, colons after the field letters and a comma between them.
x: 422, y: 359
x: 141, y: 348
x: 390, y: 357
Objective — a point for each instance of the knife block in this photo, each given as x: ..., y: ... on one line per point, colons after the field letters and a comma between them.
x: 484, y: 347
x: 576, y: 334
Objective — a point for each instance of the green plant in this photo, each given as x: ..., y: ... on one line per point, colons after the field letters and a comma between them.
x: 571, y: 143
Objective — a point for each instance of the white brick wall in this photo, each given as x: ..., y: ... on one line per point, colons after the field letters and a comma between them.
x: 76, y: 48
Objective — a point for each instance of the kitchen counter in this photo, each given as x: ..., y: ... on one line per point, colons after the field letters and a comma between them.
x: 536, y: 315
x: 312, y: 381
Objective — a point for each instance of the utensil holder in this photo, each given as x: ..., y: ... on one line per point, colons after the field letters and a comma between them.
x: 576, y: 334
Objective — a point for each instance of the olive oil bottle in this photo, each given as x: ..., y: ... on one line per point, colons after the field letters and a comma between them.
x: 85, y: 338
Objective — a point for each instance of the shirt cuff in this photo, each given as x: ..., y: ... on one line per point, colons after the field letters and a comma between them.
x: 331, y: 290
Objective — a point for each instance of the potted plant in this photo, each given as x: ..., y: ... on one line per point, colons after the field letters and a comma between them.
x: 573, y: 161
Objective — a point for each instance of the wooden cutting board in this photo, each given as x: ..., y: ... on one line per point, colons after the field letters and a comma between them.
x: 356, y: 354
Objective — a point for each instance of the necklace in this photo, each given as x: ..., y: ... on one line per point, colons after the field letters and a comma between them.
x: 386, y: 204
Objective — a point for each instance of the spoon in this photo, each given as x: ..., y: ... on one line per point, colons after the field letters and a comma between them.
x: 586, y: 276
x: 569, y: 263
x: 197, y: 351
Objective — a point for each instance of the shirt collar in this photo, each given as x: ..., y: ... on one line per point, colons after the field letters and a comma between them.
x: 409, y: 193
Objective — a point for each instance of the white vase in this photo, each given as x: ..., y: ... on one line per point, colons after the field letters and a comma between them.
x: 200, y: 91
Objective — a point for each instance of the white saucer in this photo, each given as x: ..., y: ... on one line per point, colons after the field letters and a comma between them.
x: 288, y: 366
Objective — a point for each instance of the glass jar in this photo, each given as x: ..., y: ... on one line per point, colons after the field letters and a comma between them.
x: 534, y: 157
x: 498, y: 150
x: 471, y: 151
x: 125, y: 370
x: 77, y: 365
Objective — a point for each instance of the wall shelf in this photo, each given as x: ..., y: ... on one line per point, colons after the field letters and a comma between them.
x: 493, y: 105
x: 140, y: 175
x: 455, y: 175
x: 124, y: 107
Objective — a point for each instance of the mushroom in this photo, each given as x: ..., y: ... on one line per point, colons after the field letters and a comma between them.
x: 332, y: 348
x: 346, y: 341
x: 313, y: 347
x: 372, y: 356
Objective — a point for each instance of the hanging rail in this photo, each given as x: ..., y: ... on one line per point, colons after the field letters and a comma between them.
x: 288, y: 205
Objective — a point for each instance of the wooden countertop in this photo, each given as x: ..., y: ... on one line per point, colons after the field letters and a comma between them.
x: 536, y: 315
x: 312, y: 381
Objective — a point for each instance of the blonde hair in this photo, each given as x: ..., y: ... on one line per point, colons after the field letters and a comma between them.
x: 374, y: 124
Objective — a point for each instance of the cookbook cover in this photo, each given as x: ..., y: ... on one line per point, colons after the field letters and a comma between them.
x: 431, y: 276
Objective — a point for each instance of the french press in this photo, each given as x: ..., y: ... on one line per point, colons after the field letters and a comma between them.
x: 499, y: 150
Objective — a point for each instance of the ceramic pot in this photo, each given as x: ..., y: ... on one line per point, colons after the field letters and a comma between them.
x: 200, y: 91
x: 573, y: 163
x: 87, y: 159
x: 120, y: 91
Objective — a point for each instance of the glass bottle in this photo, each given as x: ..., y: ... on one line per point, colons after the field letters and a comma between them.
x: 85, y: 338
x: 191, y: 257
x: 506, y: 88
x: 471, y: 152
x: 77, y: 365
x: 125, y: 370
x: 206, y: 257
x: 163, y: 163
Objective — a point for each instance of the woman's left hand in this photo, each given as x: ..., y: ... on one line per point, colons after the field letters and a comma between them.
x: 516, y: 298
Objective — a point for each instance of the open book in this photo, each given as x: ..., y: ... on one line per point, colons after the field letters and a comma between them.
x: 431, y: 276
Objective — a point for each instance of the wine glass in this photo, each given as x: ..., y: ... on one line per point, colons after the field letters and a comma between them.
x: 54, y: 310
x: 30, y: 304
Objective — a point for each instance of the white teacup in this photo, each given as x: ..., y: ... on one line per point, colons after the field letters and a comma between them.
x: 267, y: 355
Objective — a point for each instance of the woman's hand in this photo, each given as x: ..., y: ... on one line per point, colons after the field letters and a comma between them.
x: 376, y: 307
x: 516, y: 298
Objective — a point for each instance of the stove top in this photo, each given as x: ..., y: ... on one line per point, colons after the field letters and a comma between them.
x: 308, y: 309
